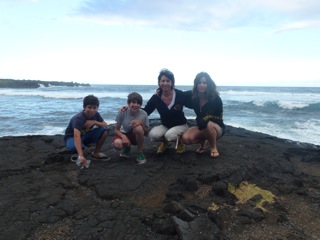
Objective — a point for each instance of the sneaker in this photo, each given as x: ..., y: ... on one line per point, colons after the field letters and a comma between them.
x: 141, y: 159
x: 163, y: 146
x: 181, y: 148
x: 125, y: 152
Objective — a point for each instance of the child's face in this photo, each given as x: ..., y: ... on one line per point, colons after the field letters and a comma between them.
x: 134, y: 106
x: 90, y: 110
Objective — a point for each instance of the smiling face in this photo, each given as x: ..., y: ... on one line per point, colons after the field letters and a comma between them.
x: 165, y: 83
x: 134, y: 105
x: 90, y: 110
x: 202, y: 85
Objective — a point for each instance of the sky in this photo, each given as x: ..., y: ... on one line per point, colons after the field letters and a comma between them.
x: 238, y: 42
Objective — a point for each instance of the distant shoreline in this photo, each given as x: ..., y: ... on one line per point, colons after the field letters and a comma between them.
x: 11, y: 83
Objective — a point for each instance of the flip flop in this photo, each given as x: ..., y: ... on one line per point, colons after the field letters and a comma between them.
x: 100, y: 157
x: 214, y: 153
x: 201, y: 150
x: 74, y: 158
x: 203, y: 147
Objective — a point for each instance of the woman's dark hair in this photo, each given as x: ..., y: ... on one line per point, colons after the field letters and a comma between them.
x: 211, y: 86
x: 168, y: 74
x: 90, y: 100
x: 134, y: 97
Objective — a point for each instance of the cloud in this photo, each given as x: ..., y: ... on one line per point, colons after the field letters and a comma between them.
x: 296, y: 25
x: 203, y: 15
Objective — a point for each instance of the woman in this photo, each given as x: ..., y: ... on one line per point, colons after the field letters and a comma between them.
x: 131, y: 126
x: 169, y: 104
x: 207, y: 105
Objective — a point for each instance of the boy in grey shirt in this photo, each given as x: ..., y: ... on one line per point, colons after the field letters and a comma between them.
x: 131, y: 127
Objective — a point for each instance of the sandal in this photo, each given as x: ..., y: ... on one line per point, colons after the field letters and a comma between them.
x: 203, y: 147
x: 214, y: 153
x: 200, y: 150
x: 74, y: 158
x: 100, y: 156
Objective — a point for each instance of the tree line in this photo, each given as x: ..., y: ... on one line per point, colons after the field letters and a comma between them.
x: 11, y: 83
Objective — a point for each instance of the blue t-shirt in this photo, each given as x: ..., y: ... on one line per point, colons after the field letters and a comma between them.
x: 78, y: 121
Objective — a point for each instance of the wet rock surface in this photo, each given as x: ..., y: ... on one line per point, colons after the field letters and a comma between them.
x: 173, y: 196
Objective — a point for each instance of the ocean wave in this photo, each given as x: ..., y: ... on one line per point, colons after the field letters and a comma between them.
x: 308, y: 131
x: 292, y: 105
x: 284, y: 99
x: 76, y: 94
x: 272, y: 105
x: 282, y: 112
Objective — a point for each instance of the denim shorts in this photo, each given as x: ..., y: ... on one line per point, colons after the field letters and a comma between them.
x: 92, y: 136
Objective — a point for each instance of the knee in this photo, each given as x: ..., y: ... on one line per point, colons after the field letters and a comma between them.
x: 101, y: 132
x: 215, y: 129
x: 185, y: 139
x: 151, y: 136
x: 154, y: 136
x: 170, y: 137
x: 138, y: 130
x: 117, y: 145
x: 105, y: 134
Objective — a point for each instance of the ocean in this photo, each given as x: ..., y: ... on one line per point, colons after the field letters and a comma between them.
x: 291, y: 113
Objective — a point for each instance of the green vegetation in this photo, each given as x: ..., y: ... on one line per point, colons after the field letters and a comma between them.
x: 10, y: 83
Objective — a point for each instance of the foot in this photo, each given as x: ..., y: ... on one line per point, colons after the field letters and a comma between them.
x: 163, y: 146
x: 125, y: 152
x: 100, y: 156
x: 141, y: 159
x: 203, y: 147
x: 214, y: 153
x: 200, y: 150
x: 181, y: 148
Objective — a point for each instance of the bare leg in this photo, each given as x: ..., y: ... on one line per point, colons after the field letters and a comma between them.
x: 213, y: 132
x: 100, y: 143
x: 192, y: 136
x: 117, y: 144
x: 139, y: 133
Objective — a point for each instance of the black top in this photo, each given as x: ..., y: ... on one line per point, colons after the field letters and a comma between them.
x: 212, y: 111
x: 169, y: 117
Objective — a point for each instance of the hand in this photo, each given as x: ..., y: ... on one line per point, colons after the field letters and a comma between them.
x: 123, y: 109
x: 202, y: 124
x: 90, y: 123
x: 158, y: 91
x: 83, y: 160
x: 136, y: 123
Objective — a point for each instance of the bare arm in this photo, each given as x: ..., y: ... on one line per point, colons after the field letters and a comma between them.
x: 91, y: 123
x: 124, y: 138
x: 78, y: 145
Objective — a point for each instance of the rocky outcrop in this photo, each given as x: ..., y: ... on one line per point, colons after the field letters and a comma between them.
x: 260, y: 187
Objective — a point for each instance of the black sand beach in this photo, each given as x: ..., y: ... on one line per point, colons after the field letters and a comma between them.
x: 260, y: 187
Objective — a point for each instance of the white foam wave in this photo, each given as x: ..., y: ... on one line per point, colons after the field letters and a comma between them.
x: 259, y: 103
x: 308, y: 131
x: 291, y: 105
x: 76, y: 94
x: 287, y: 100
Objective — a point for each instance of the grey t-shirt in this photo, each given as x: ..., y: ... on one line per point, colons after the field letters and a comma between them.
x: 125, y: 119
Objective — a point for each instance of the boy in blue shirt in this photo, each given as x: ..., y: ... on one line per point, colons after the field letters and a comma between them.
x: 87, y: 127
